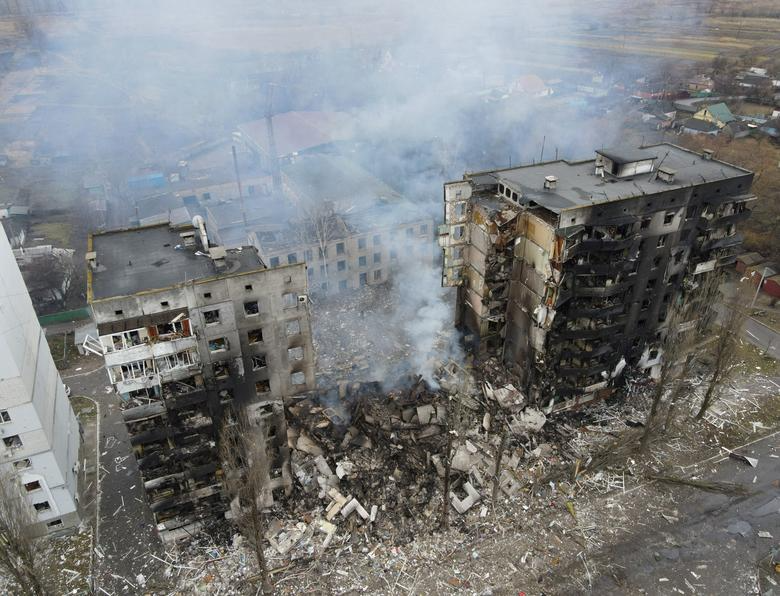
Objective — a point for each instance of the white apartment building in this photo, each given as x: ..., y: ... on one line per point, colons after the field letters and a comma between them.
x: 39, y: 433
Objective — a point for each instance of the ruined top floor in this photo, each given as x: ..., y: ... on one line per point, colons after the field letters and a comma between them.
x: 132, y: 260
x: 613, y: 175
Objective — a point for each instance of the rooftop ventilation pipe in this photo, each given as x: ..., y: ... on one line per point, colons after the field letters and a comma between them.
x: 199, y: 224
x: 550, y: 182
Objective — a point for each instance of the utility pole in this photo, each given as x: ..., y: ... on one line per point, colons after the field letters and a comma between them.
x: 276, y: 173
x: 240, y: 190
x: 760, y: 283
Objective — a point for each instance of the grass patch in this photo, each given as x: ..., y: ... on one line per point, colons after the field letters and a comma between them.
x: 84, y: 408
x: 56, y: 233
x: 63, y: 350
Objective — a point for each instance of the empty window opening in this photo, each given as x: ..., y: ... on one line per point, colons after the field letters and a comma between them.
x: 55, y: 523
x: 12, y: 442
x: 295, y: 353
x: 217, y: 344
x: 377, y: 275
x: 207, y: 294
x: 669, y: 217
x: 661, y: 241
x: 289, y: 299
x: 298, y: 378
x: 221, y: 370
x: 259, y: 362
x: 340, y: 248
x: 341, y: 265
x: 361, y: 243
x: 255, y: 336
x: 164, y: 304
x: 32, y: 486
x: 646, y: 223
x: 262, y: 387
x: 293, y: 327
x: 42, y: 506
x: 4, y: 416
x: 248, y: 287
x: 656, y: 261
x: 23, y: 464
x: 118, y: 312
x: 251, y: 308
x: 459, y: 232
x: 363, y: 279
x: 211, y: 317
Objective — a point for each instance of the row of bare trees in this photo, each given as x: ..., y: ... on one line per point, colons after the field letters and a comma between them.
x: 698, y: 320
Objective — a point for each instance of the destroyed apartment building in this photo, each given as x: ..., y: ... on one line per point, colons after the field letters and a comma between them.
x: 193, y: 335
x: 567, y: 270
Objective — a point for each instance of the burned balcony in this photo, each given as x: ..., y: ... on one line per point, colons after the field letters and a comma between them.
x: 586, y: 328
x: 597, y: 308
x: 724, y: 241
x: 601, y: 286
x: 586, y: 349
x: 602, y: 238
x: 576, y: 369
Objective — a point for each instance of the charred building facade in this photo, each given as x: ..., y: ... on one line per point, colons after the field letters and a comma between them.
x: 194, y: 335
x: 567, y: 270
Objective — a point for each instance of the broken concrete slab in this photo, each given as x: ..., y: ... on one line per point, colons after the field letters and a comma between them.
x: 463, y: 505
x: 354, y: 505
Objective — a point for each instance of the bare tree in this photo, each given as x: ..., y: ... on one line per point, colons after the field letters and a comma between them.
x: 246, y: 469
x: 50, y: 277
x: 732, y: 320
x: 319, y: 223
x: 18, y: 552
x: 686, y: 320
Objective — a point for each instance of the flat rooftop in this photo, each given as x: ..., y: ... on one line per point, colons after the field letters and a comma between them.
x: 137, y: 259
x: 577, y: 183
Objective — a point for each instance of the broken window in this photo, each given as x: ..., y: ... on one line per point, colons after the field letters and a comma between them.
x: 377, y: 239
x: 211, y: 317
x: 342, y: 265
x: 459, y: 232
x: 274, y: 261
x: 685, y: 234
x: 23, y: 464
x: 54, y: 523
x: 377, y: 275
x: 661, y: 241
x: 255, y: 336
x: 298, y: 378
x: 118, y: 312
x: 12, y: 441
x: 217, y: 344
x: 289, y: 299
x: 669, y: 217
x: 363, y: 279
x: 690, y: 212
x: 362, y: 262
x: 262, y: 387
x: 377, y: 257
x: 293, y: 327
x: 221, y: 370
x: 32, y: 486
x: 259, y: 362
x: 207, y: 295
x: 645, y: 223
x: 251, y: 308
x: 340, y: 248
x: 164, y: 304
x: 343, y: 284
x: 4, y: 416
x: 678, y: 256
x: 42, y: 506
x: 361, y: 243
x: 295, y: 353
x: 292, y: 258
x: 641, y: 322
x: 656, y: 261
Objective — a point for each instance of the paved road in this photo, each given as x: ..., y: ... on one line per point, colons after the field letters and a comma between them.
x: 715, y: 548
x: 763, y: 337
x: 126, y: 528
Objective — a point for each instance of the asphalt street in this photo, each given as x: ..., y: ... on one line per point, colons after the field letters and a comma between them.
x: 126, y: 533
x: 718, y: 543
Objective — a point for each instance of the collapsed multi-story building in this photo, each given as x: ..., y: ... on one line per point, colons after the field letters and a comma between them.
x: 193, y: 337
x: 40, y: 436
x: 567, y: 270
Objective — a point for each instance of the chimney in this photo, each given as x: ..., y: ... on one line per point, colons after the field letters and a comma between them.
x: 666, y: 174
x: 707, y: 154
x: 600, y: 170
x: 550, y: 182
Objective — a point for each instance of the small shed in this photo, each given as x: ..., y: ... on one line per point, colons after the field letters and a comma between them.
x: 748, y: 259
x: 772, y: 286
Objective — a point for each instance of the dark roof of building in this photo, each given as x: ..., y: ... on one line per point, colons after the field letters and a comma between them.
x: 578, y: 185
x: 133, y: 260
x: 623, y: 155
x: 700, y: 125
x: 295, y: 132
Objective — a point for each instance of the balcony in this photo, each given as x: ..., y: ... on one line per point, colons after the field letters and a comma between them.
x: 594, y: 332
x: 601, y: 245
x: 174, y: 345
x: 596, y: 310
x: 133, y: 354
x: 577, y: 371
x: 602, y: 291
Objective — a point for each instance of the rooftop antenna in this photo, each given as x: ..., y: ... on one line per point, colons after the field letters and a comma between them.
x: 238, y: 182
x: 556, y: 154
x: 654, y: 173
x: 276, y: 173
x: 544, y: 140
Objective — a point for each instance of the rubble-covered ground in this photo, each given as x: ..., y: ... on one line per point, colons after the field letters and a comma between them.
x: 366, y: 515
